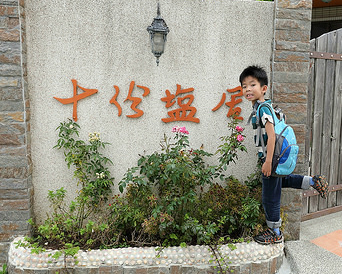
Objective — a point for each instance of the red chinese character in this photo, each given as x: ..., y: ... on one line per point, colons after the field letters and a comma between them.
x: 135, y: 100
x: 113, y: 100
x: 185, y: 112
x: 231, y: 104
x: 76, y: 97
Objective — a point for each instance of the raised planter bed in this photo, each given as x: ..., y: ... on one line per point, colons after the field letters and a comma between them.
x: 247, y: 258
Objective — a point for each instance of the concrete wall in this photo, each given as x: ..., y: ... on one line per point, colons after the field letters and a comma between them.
x: 105, y: 43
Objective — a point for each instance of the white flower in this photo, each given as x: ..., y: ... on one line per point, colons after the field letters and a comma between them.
x: 71, y: 126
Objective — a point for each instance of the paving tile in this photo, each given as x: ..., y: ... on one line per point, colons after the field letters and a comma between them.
x: 331, y: 242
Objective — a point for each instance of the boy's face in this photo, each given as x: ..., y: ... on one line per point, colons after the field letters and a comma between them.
x: 252, y: 90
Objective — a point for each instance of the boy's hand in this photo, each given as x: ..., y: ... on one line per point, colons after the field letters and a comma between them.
x: 267, y: 168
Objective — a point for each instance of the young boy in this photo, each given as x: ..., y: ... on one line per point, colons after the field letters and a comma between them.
x: 254, y: 85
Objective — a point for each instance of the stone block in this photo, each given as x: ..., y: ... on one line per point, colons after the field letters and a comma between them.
x: 9, y: 58
x: 117, y: 269
x: 186, y: 269
x: 14, y: 183
x: 13, y: 161
x: 234, y: 269
x: 164, y: 270
x: 60, y: 270
x: 13, y: 226
x: 8, y: 82
x: 259, y: 267
x: 15, y: 215
x: 11, y: 140
x: 3, y: 22
x: 129, y: 270
x: 153, y: 270
x: 8, y: 11
x: 175, y: 269
x: 245, y: 269
x: 302, y: 67
x: 300, y: 130
x: 80, y: 270
x: 4, y: 246
x: 290, y: 88
x: 201, y: 270
x: 21, y: 204
x: 280, y: 259
x: 39, y: 271
x: 13, y: 22
x: 14, y: 270
x: 293, y: 98
x: 11, y: 93
x: 141, y: 270
x: 10, y: 70
x: 10, y: 35
x: 290, y: 56
x: 105, y: 270
x: 273, y: 265
x: 93, y: 270
x: 303, y: 15
x: 9, y: 2
x: 14, y: 172
x: 291, y: 24
x: 13, y: 194
x: 293, y: 35
x: 12, y: 117
x: 295, y: 4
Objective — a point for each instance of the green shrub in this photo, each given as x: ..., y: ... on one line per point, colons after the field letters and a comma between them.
x: 168, y: 199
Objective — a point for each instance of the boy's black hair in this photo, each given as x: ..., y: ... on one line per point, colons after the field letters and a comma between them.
x: 257, y: 72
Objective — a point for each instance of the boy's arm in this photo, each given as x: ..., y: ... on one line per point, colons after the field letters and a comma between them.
x: 267, y: 166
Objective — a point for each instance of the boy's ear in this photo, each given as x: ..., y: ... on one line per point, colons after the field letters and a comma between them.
x: 264, y: 89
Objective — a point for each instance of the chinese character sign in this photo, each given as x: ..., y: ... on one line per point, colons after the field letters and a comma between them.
x: 179, y: 103
x: 185, y: 112
x: 135, y: 100
x: 232, y: 103
x: 74, y: 100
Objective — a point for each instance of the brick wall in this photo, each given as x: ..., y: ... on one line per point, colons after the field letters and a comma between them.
x: 16, y: 192
x: 290, y: 71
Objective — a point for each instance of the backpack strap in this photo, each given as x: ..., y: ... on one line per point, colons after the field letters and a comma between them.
x: 259, y: 136
x: 255, y: 108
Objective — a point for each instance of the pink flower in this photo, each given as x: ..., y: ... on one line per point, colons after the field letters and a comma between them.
x: 240, y: 138
x: 178, y: 129
x: 183, y: 130
x: 239, y: 129
x: 175, y: 129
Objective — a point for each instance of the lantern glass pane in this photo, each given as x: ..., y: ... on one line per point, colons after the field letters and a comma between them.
x: 158, y: 43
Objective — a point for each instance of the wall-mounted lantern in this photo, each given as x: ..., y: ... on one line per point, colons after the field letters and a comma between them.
x: 158, y: 32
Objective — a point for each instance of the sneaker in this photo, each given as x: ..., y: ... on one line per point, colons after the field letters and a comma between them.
x: 268, y: 237
x: 321, y: 185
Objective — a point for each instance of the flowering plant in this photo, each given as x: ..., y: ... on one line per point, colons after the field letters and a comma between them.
x: 174, y: 174
x: 231, y: 145
x: 90, y: 165
x: 170, y: 198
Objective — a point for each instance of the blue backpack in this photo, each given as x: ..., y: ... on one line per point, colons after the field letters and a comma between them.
x: 286, y: 148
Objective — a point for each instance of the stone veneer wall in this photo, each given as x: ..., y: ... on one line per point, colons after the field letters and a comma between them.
x: 289, y: 78
x: 16, y: 192
x: 290, y: 71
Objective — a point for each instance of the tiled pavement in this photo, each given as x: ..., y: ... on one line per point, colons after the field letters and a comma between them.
x: 319, y: 250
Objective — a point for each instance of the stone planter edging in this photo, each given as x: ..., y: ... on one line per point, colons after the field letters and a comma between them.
x: 246, y: 258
